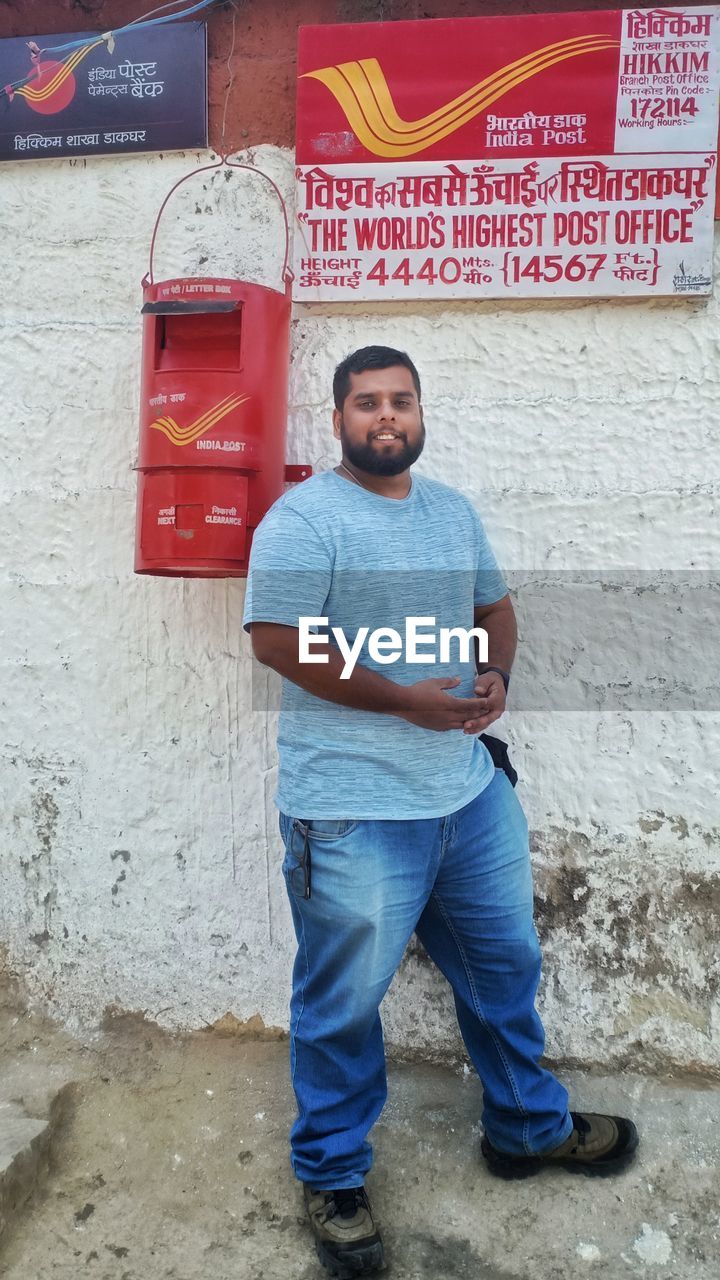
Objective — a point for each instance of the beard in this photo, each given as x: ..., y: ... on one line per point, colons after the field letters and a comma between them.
x: 372, y: 458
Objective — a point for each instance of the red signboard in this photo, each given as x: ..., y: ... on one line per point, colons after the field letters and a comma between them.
x: 547, y: 154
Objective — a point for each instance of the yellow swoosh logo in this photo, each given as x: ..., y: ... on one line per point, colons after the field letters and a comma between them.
x: 364, y: 96
x: 62, y: 73
x: 185, y: 435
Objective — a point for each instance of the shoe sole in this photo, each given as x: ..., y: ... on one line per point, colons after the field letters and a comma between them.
x: 354, y: 1262
x: 515, y: 1168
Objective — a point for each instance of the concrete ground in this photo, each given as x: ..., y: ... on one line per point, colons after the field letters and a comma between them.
x: 150, y: 1156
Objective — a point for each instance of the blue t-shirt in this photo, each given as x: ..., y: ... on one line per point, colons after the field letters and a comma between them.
x: 329, y: 548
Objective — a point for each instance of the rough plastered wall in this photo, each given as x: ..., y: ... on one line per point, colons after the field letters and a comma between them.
x: 139, y: 849
x: 138, y: 842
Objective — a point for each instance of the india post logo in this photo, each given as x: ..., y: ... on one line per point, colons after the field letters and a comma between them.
x: 51, y: 87
x: 182, y: 436
x: 365, y: 98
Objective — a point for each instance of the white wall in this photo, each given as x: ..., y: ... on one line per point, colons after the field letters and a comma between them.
x: 140, y: 857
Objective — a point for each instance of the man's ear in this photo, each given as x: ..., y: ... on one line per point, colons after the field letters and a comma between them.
x: 337, y: 422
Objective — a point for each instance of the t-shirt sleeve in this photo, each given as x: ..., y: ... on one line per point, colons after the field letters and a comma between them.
x: 290, y: 570
x: 489, y: 582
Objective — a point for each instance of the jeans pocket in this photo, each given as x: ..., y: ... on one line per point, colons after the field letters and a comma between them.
x: 327, y: 828
x: 297, y: 866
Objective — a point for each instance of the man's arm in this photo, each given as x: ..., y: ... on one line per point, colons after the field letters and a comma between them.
x: 425, y: 703
x: 498, y: 619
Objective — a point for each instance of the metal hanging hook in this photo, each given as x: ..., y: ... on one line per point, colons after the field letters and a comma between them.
x: 287, y: 275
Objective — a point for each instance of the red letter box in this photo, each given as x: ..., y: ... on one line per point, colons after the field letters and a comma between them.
x: 213, y: 414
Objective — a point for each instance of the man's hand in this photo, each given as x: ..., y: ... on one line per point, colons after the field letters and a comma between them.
x: 490, y: 691
x: 429, y: 705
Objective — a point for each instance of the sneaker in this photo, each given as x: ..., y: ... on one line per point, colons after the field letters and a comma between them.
x: 346, y: 1239
x: 598, y: 1145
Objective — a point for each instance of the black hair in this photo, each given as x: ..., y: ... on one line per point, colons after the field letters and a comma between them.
x: 369, y: 358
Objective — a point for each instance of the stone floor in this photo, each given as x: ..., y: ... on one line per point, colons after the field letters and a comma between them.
x: 149, y: 1156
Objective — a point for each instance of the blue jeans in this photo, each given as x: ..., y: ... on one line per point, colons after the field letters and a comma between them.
x: 358, y: 890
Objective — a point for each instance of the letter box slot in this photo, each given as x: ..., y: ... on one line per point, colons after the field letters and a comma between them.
x: 198, y: 340
x: 178, y: 308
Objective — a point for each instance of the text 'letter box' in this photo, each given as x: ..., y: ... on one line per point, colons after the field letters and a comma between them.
x: 213, y: 415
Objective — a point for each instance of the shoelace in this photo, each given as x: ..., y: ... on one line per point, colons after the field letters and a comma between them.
x: 346, y: 1202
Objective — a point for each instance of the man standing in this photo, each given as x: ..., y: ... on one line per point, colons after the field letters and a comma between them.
x: 393, y: 815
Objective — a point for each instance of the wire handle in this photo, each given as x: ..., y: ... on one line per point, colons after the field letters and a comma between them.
x: 287, y: 275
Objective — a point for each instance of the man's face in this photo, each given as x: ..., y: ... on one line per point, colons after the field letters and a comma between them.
x: 381, y: 424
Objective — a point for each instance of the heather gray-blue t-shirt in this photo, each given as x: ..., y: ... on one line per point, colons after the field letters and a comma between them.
x: 329, y: 548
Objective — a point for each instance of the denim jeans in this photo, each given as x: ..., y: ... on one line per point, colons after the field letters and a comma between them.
x: 358, y: 890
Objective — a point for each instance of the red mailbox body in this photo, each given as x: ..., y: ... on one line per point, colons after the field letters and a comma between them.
x: 213, y: 412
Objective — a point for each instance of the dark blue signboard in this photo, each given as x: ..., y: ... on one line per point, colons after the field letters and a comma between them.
x: 135, y: 91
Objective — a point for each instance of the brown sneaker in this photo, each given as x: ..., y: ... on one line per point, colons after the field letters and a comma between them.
x: 598, y: 1145
x: 346, y: 1239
